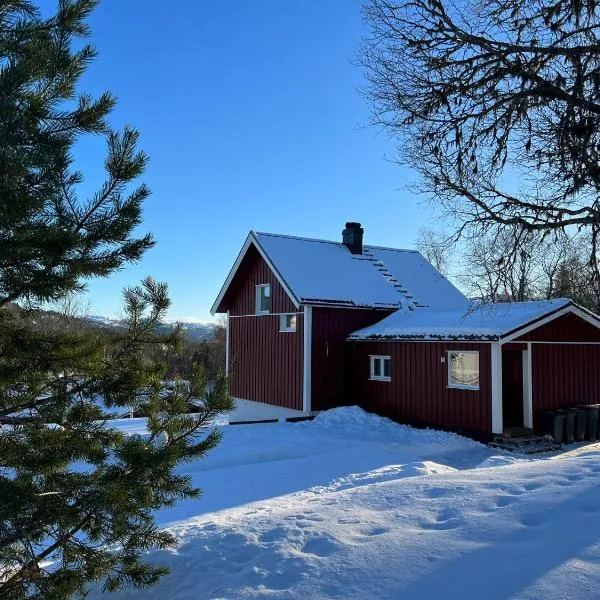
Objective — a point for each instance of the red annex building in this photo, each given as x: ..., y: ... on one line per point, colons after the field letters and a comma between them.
x: 315, y: 324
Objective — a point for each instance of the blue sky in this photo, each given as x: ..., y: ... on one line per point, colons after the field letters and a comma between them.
x: 251, y: 116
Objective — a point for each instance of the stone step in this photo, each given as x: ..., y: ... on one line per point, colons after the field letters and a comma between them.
x: 514, y: 432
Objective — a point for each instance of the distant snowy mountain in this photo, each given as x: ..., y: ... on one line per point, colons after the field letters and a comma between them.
x: 192, y: 330
x: 104, y: 321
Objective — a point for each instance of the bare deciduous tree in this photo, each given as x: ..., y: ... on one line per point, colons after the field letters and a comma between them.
x: 492, y: 270
x: 496, y: 104
x: 435, y: 248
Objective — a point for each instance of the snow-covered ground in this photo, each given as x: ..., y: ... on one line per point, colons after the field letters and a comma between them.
x: 354, y: 506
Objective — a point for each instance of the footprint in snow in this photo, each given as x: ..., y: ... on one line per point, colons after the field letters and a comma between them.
x: 370, y: 532
x: 232, y: 540
x: 507, y: 489
x: 444, y: 525
x: 244, y: 555
x: 320, y: 546
x: 437, y: 492
x: 565, y: 482
x: 533, y: 486
x: 448, y: 518
x: 590, y: 508
x: 310, y: 517
x: 532, y: 520
x: 502, y: 501
x: 274, y: 535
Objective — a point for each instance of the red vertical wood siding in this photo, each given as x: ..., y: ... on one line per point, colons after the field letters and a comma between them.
x: 240, y: 299
x: 418, y: 391
x: 331, y: 384
x: 566, y: 328
x: 564, y: 375
x: 264, y: 364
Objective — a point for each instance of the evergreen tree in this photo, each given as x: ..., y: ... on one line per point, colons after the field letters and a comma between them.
x: 77, y: 497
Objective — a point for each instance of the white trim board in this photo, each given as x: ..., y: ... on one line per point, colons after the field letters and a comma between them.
x: 560, y: 343
x: 251, y: 240
x: 527, y: 388
x: 227, y: 334
x: 413, y: 340
x: 271, y: 314
x: 497, y: 425
x: 307, y: 361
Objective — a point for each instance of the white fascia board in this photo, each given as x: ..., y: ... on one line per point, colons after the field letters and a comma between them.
x: 232, y: 272
x: 571, y: 308
x: 586, y: 315
x: 251, y: 239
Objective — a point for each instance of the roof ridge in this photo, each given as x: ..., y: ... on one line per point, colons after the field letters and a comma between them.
x: 393, y: 249
x: 297, y: 237
x: 336, y: 243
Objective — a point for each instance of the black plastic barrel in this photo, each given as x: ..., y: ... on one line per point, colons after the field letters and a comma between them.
x: 569, y: 425
x: 592, y: 429
x: 554, y: 424
x: 581, y: 424
x: 594, y: 421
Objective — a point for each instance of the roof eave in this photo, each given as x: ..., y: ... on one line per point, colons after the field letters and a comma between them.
x: 424, y: 338
x: 502, y: 338
x: 348, y: 304
x: 570, y: 307
x: 251, y: 239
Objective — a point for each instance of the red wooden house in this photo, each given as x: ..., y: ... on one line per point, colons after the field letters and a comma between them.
x: 314, y: 324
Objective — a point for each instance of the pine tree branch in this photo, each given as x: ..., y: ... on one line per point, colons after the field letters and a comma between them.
x: 32, y: 566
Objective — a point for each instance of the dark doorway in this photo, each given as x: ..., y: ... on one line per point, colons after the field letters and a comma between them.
x: 512, y: 388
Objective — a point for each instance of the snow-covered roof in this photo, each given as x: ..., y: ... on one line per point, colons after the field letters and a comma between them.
x: 326, y: 272
x: 478, y: 321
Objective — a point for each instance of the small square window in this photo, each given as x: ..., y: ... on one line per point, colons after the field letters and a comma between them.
x: 287, y: 323
x: 263, y: 298
x: 380, y: 368
x: 463, y: 369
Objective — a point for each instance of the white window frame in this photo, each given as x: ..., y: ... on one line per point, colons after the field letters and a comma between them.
x: 283, y: 326
x: 378, y: 357
x: 458, y: 386
x: 258, y: 296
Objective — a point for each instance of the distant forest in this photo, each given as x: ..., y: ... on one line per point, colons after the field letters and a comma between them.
x: 206, y: 348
